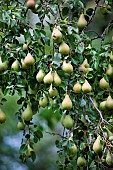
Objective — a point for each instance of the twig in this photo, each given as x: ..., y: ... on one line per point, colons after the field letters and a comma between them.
x: 52, y: 133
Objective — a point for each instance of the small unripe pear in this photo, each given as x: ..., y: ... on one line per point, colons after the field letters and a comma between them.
x: 67, y: 67
x: 27, y: 114
x: 29, y: 150
x: 72, y: 150
x: 77, y: 87
x: 103, y: 83
x: 64, y: 49
x: 48, y: 79
x: 30, y: 4
x: 25, y: 47
x: 56, y: 36
x: 44, y: 101
x: 109, y: 70
x: 81, y: 22
x: 15, y: 65
x: 67, y: 121
x: 40, y: 75
x: 86, y: 87
x: 103, y: 105
x: 20, y: 126
x: 56, y: 79
x: 109, y: 159
x: 97, y: 146
x: 81, y: 161
x: 109, y: 102
x: 2, y: 116
x: 67, y: 103
x: 29, y: 60
x: 53, y: 91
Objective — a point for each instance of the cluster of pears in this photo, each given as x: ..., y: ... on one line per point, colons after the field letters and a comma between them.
x: 85, y: 87
x: 107, y: 105
x: 81, y: 22
x: 2, y: 116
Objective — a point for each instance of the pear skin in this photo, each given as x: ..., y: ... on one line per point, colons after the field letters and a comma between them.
x: 109, y: 103
x: 81, y: 22
x: 2, y: 116
x: 67, y: 103
x: 53, y: 91
x: 103, y: 105
x: 109, y: 159
x: 97, y: 146
x: 48, y: 79
x: 103, y: 83
x: 27, y: 114
x: 29, y: 60
x: 64, y: 49
x: 30, y: 4
x: 67, y: 121
x: 56, y: 36
x: 86, y: 87
x: 56, y: 79
x: 40, y: 76
x: 109, y: 70
x: 81, y: 162
x: 77, y: 88
x: 67, y: 67
x: 15, y: 65
x: 44, y: 101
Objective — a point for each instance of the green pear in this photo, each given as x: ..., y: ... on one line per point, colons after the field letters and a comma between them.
x: 64, y: 49
x: 67, y: 103
x: 48, y: 79
x: 53, y: 91
x: 109, y: 70
x: 67, y: 67
x: 111, y: 56
x: 56, y: 36
x: 81, y: 162
x: 97, y: 146
x: 20, y: 126
x: 77, y: 87
x: 109, y: 103
x: 81, y: 22
x: 2, y: 116
x: 30, y: 4
x: 29, y: 150
x: 103, y: 83
x: 86, y: 87
x: 72, y: 150
x: 109, y: 159
x: 103, y: 105
x: 24, y: 66
x: 40, y: 75
x: 15, y: 65
x: 56, y: 79
x: 3, y: 65
x: 44, y: 101
x: 67, y: 121
x: 25, y: 47
x: 27, y: 114
x: 29, y: 60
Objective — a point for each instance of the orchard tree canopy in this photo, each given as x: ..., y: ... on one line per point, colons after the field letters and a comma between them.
x: 63, y: 64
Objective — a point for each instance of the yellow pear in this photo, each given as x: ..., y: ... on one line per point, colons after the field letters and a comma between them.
x: 86, y: 87
x: 25, y: 47
x: 48, y: 79
x: 97, y: 146
x: 15, y: 65
x: 40, y: 75
x: 29, y: 60
x: 109, y: 70
x: 81, y: 22
x: 27, y: 114
x: 2, y: 116
x: 67, y: 67
x: 103, y: 83
x: 103, y: 105
x: 20, y: 126
x: 109, y: 159
x: 30, y: 4
x: 44, y: 101
x: 77, y: 87
x: 109, y: 103
x: 64, y: 49
x: 53, y: 91
x: 67, y: 121
x: 56, y: 79
x: 67, y: 103
x: 72, y: 150
x: 81, y: 161
x: 56, y: 36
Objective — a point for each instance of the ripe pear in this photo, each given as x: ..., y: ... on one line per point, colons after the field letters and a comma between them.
x: 67, y: 121
x: 109, y: 159
x: 20, y: 126
x: 40, y: 75
x: 103, y: 105
x: 44, y: 101
x: 29, y: 60
x: 53, y: 91
x: 103, y: 83
x: 48, y: 79
x: 3, y: 65
x: 27, y: 114
x: 81, y: 22
x: 15, y: 65
x: 97, y: 146
x: 77, y: 87
x: 25, y: 47
x: 81, y: 161
x: 56, y: 79
x: 30, y: 4
x: 64, y: 49
x: 109, y: 103
x: 56, y: 36
x: 67, y: 103
x: 2, y: 116
x: 86, y: 87
x: 24, y: 66
x: 67, y: 67
x: 109, y: 70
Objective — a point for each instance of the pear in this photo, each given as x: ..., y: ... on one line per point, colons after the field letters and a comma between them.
x: 53, y: 91
x: 25, y: 47
x: 48, y: 79
x: 72, y: 150
x: 56, y: 36
x: 77, y: 87
x: 109, y: 70
x: 29, y: 150
x: 44, y: 101
x: 64, y: 49
x: 67, y: 67
x: 81, y: 161
x: 24, y: 66
x: 2, y: 116
x: 29, y: 60
x: 103, y: 83
x: 67, y: 121
x: 109, y: 159
x: 30, y: 4
x: 67, y: 103
x: 20, y: 126
x: 3, y: 65
x: 111, y: 56
x: 103, y: 105
x: 97, y: 146
x: 109, y: 102
x: 27, y: 114
x: 81, y: 22
x: 15, y: 65
x: 109, y: 133
x: 56, y: 79
x: 86, y: 87
x: 40, y: 75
